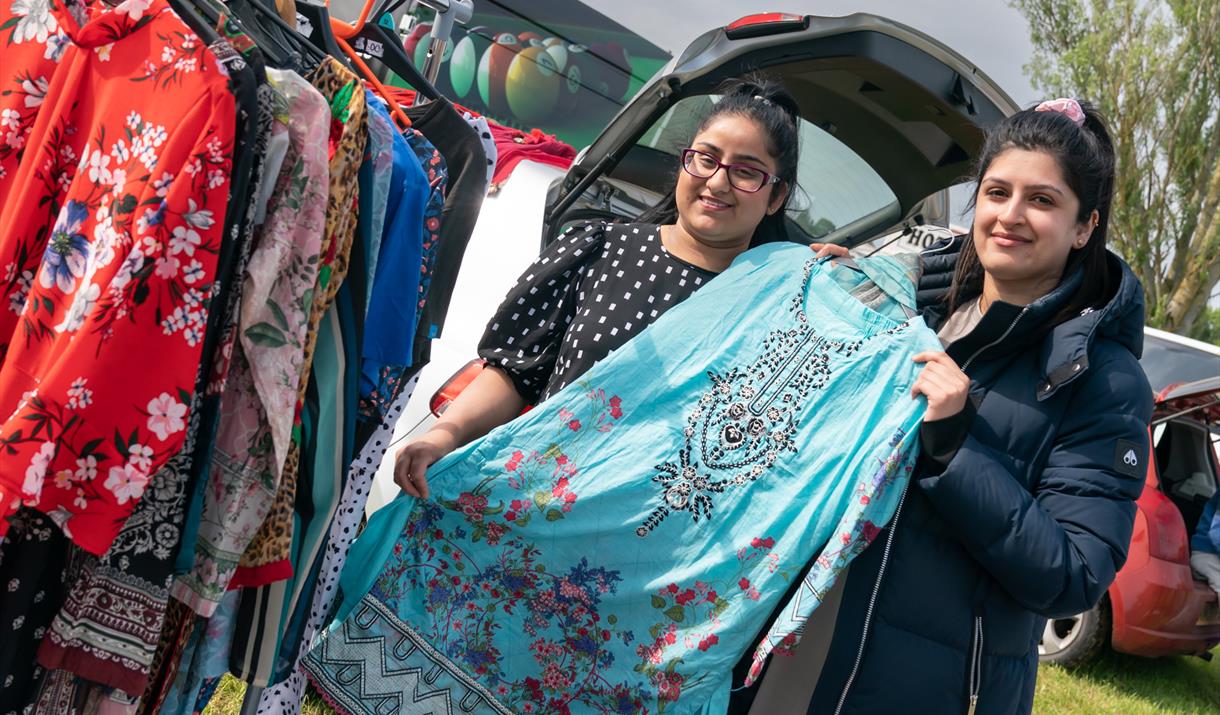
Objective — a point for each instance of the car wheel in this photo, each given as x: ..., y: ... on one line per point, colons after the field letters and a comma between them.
x: 1076, y: 640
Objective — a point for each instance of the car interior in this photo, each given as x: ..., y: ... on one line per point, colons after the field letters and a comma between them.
x: 1185, y: 461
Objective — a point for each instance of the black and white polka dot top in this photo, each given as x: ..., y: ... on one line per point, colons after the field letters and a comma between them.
x: 594, y: 288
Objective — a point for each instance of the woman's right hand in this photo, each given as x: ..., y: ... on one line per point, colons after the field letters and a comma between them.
x: 412, y: 461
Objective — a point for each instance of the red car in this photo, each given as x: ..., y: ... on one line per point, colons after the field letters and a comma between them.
x: 1156, y: 607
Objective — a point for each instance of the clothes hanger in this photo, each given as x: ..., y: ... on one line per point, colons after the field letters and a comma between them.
x: 339, y: 33
x: 196, y: 21
x: 849, y: 262
x: 259, y: 22
x: 273, y: 49
x: 393, y: 56
x: 320, y: 21
x: 284, y: 35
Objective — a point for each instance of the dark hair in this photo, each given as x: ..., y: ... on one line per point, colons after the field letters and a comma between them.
x: 768, y: 104
x: 1085, y: 155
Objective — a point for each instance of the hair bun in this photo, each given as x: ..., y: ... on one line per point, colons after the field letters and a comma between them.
x: 760, y: 88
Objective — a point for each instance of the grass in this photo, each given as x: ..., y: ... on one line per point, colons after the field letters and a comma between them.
x: 228, y: 697
x: 1116, y: 684
x: 1127, y: 685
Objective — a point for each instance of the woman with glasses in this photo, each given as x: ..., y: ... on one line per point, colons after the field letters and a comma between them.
x: 600, y: 284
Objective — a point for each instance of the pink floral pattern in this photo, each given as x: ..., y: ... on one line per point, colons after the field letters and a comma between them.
x: 261, y: 392
x: 690, y: 616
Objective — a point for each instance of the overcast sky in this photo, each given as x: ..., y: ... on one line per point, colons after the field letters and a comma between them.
x: 989, y: 33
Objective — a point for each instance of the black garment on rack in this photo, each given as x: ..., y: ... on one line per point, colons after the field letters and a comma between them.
x: 467, y: 165
x: 33, y: 561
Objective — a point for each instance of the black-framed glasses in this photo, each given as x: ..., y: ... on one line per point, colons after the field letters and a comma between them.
x: 741, y: 176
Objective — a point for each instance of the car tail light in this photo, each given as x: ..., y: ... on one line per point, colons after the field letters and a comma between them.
x: 1167, y: 536
x: 454, y: 386
x: 765, y: 23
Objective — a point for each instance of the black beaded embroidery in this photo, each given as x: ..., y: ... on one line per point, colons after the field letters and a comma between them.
x: 748, y: 417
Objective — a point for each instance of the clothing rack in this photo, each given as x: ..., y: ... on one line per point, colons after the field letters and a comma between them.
x: 447, y: 12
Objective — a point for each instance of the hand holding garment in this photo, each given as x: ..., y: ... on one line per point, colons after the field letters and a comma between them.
x: 620, y: 546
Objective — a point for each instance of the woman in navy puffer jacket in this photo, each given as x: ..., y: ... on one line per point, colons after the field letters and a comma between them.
x: 1034, y: 449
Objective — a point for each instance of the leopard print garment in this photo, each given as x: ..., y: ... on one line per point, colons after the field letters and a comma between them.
x: 266, y: 559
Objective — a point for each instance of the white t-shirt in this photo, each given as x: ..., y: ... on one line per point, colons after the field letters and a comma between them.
x: 963, y: 320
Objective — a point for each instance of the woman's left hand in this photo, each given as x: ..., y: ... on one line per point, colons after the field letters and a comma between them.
x: 821, y: 250
x: 943, y: 383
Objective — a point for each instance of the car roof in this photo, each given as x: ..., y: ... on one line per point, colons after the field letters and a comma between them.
x: 1170, y: 360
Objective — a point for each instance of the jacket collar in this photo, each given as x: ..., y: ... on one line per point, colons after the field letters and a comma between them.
x: 1007, y: 329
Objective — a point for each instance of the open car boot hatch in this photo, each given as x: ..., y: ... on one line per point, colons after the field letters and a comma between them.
x: 909, y: 106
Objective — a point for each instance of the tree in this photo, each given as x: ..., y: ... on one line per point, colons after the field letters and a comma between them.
x: 1153, y: 68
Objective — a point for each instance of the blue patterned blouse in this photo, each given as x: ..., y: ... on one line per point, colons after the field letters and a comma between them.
x: 619, y: 547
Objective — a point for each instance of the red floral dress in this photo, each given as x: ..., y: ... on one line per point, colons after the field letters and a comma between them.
x: 109, y: 232
x: 31, y: 44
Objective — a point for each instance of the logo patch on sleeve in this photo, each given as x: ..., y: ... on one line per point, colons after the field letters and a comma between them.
x: 1129, y: 458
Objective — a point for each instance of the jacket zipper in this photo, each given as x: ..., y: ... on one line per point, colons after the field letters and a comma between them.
x: 998, y: 340
x: 872, y: 602
x: 976, y: 665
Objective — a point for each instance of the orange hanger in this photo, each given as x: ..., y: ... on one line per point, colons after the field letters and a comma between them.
x: 345, y: 31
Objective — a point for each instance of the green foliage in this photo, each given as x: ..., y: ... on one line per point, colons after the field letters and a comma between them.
x: 1153, y: 68
x: 1207, y: 327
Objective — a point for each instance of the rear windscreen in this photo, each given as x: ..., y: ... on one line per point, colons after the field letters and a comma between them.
x: 835, y: 186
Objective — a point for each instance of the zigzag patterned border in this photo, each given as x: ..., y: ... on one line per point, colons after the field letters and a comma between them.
x: 374, y: 663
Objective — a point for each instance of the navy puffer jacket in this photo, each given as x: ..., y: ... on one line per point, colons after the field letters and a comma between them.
x: 1029, y: 519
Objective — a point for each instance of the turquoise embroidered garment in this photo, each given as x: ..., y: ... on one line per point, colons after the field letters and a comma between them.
x: 619, y: 547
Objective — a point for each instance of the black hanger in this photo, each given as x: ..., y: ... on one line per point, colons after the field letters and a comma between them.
x: 281, y: 29
x: 273, y: 49
x: 321, y: 34
x: 383, y: 44
x: 195, y: 20
x: 289, y: 45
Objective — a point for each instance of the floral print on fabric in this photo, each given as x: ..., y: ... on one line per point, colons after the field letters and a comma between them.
x: 881, y: 492
x: 260, y: 396
x: 479, y: 576
x: 130, y: 178
x: 266, y: 558
x: 525, y: 572
x: 438, y: 177
x: 110, y: 624
x: 32, y: 45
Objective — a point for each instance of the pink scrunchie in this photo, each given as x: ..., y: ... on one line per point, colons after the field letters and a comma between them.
x: 1065, y: 106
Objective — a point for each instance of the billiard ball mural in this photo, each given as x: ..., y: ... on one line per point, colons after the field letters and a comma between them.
x: 555, y: 65
x: 530, y: 77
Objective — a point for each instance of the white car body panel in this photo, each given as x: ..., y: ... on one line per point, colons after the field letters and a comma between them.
x: 504, y: 242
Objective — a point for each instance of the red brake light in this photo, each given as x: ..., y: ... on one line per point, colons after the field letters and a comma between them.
x: 765, y: 23
x: 454, y: 386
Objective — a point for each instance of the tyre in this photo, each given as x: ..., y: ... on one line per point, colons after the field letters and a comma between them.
x: 1076, y: 640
